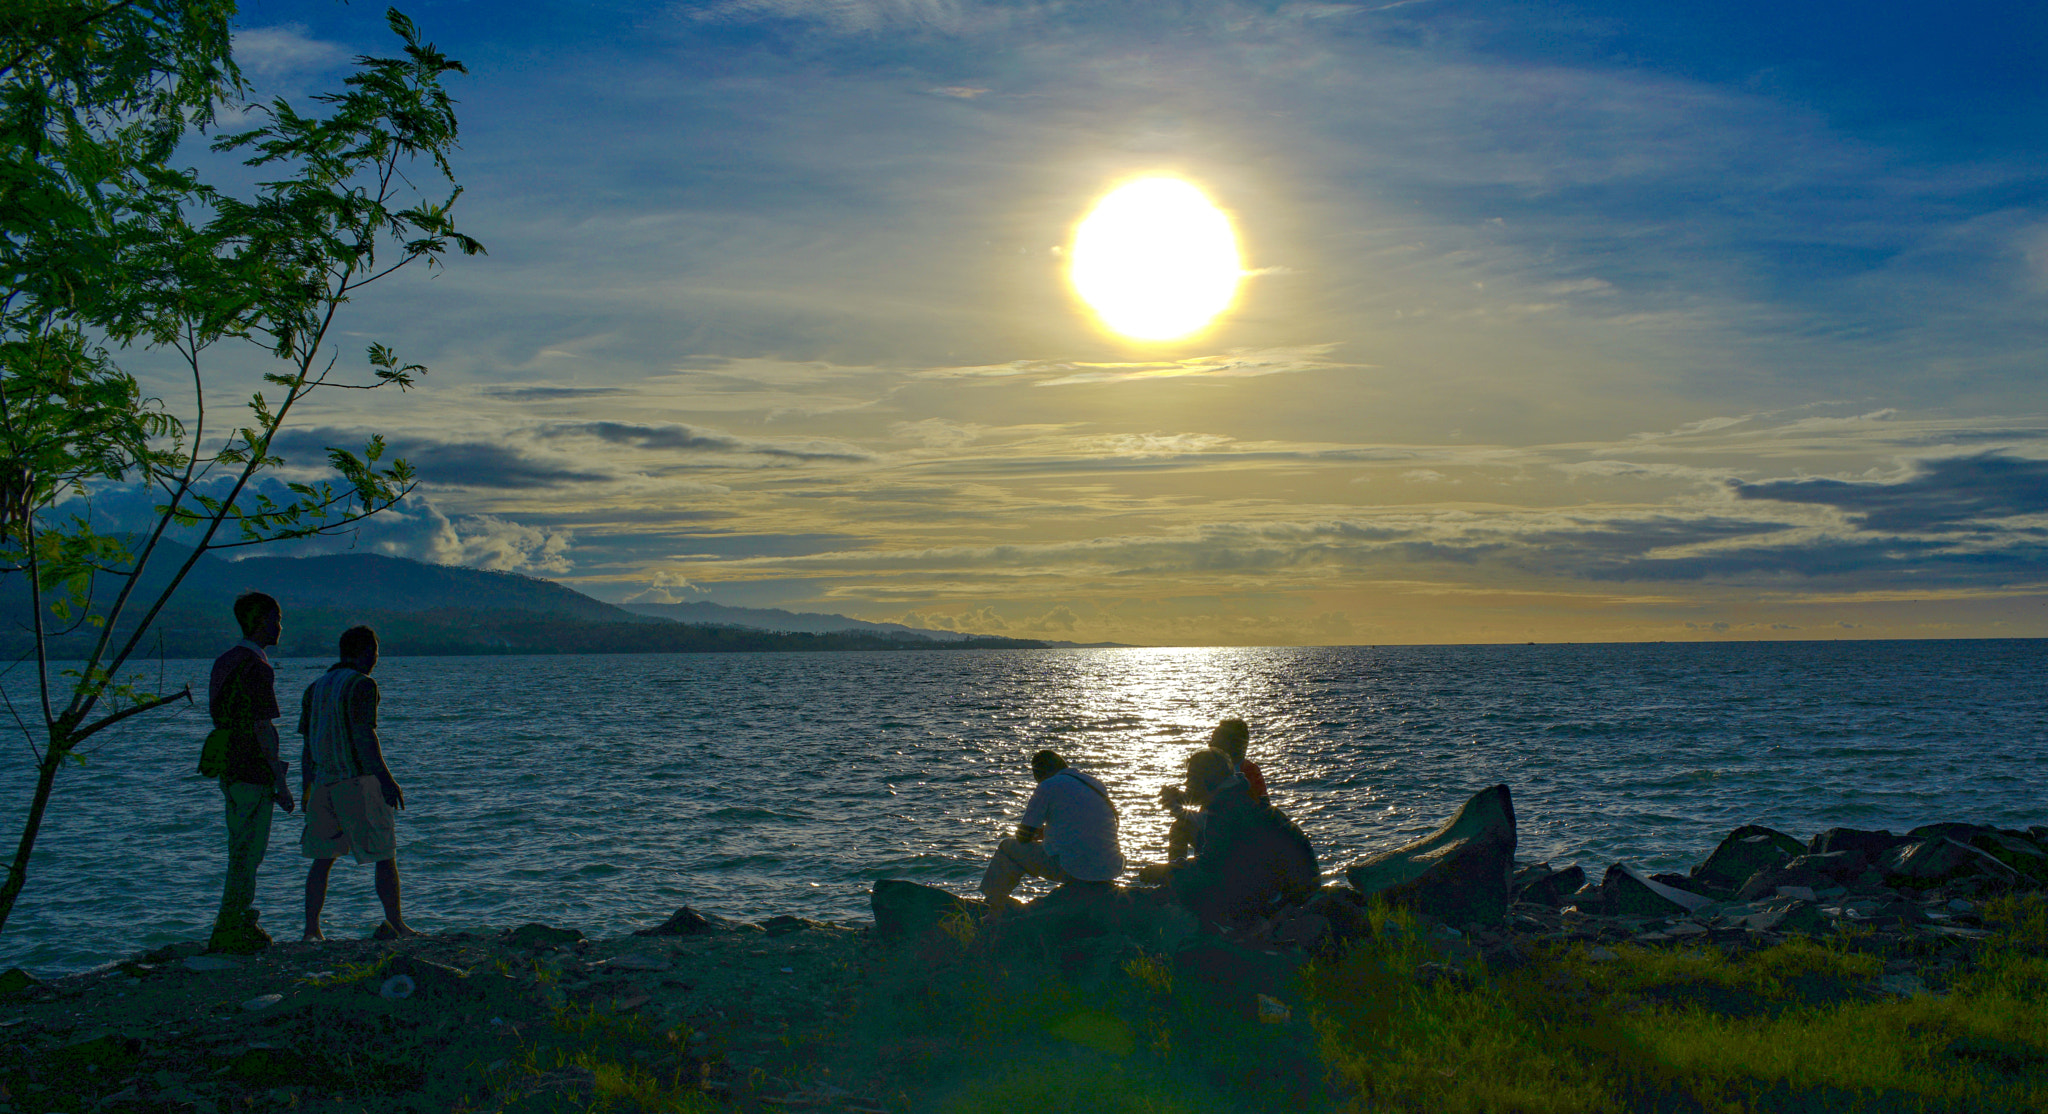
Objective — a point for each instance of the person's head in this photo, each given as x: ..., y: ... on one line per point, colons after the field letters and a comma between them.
x: 1046, y: 763
x: 1231, y: 737
x: 359, y: 648
x: 262, y: 620
x: 1208, y: 769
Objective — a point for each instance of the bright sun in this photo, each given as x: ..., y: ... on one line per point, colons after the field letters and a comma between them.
x: 1155, y: 259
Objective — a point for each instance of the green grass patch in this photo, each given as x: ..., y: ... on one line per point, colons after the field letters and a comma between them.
x: 1800, y: 1026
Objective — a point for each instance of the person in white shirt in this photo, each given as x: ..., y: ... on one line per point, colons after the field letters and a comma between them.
x: 1068, y: 833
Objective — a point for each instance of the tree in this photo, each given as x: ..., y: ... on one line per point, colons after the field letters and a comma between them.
x: 106, y: 248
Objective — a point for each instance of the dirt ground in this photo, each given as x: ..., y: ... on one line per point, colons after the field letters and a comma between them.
x: 733, y: 1013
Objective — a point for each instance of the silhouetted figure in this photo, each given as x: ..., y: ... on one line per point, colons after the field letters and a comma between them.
x: 241, y: 696
x: 1072, y: 811
x: 1232, y: 737
x: 1248, y: 856
x: 349, y: 791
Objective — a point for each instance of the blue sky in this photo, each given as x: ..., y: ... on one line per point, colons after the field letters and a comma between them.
x: 1587, y: 321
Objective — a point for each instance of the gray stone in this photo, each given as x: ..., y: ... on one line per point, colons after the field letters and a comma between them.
x: 16, y: 980
x: 1745, y: 851
x: 904, y: 908
x: 1929, y: 863
x: 1458, y: 875
x: 1628, y: 892
x: 262, y: 1002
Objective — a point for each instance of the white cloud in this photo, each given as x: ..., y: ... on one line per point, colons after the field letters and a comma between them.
x: 284, y: 49
x: 667, y: 587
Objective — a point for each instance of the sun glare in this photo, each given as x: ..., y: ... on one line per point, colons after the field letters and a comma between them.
x: 1155, y: 259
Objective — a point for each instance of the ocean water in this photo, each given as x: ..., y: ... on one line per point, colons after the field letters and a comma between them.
x: 602, y: 792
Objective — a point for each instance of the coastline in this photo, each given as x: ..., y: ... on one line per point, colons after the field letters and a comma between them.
x: 792, y: 1013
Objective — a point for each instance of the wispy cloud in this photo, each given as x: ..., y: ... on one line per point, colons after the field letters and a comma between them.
x: 671, y: 437
x: 271, y: 52
x: 1240, y: 363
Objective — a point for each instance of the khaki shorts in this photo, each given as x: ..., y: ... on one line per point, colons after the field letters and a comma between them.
x: 349, y: 817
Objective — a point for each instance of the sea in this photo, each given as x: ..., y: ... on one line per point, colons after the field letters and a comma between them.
x: 604, y: 792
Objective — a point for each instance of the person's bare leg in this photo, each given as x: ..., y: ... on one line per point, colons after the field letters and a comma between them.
x: 316, y: 896
x: 387, y: 892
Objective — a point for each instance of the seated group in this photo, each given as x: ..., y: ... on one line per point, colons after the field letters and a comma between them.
x: 1236, y: 856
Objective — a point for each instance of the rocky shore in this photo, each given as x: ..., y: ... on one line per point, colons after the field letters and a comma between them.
x: 758, y: 1016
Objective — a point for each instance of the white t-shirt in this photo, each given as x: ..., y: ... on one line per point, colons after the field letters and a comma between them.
x: 1079, y: 823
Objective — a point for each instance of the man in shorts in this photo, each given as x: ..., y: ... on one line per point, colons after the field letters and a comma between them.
x: 241, y: 698
x: 1071, y: 810
x: 349, y: 791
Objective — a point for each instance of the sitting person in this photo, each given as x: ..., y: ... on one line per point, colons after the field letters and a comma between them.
x: 1248, y: 856
x: 1073, y: 814
x: 1231, y: 737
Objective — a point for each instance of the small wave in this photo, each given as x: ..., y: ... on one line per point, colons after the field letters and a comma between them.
x: 747, y: 812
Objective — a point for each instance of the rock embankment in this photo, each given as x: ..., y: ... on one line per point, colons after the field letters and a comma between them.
x: 1913, y: 897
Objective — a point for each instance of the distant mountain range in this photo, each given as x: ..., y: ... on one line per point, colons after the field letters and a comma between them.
x: 419, y: 608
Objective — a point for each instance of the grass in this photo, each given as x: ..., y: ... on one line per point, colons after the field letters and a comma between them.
x: 1797, y: 1027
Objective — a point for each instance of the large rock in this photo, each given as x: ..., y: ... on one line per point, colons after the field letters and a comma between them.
x: 904, y: 908
x: 1925, y: 864
x: 1746, y: 850
x: 1873, y: 845
x: 2018, y: 851
x: 687, y: 922
x: 1550, y: 887
x: 1628, y: 892
x: 1461, y: 874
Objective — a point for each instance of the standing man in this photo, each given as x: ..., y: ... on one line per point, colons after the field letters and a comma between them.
x: 1072, y: 812
x: 349, y: 790
x: 241, y: 696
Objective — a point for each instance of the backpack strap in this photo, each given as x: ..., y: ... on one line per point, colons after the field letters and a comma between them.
x: 1091, y: 786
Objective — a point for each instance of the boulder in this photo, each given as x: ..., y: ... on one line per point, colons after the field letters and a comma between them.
x: 536, y: 935
x: 1458, y: 875
x: 15, y: 980
x: 1799, y: 872
x: 1839, y: 867
x: 1925, y: 864
x: 687, y: 922
x: 1552, y: 887
x: 1627, y: 892
x: 1746, y: 850
x: 2017, y: 851
x: 1873, y: 845
x: 1948, y: 829
x: 904, y: 908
